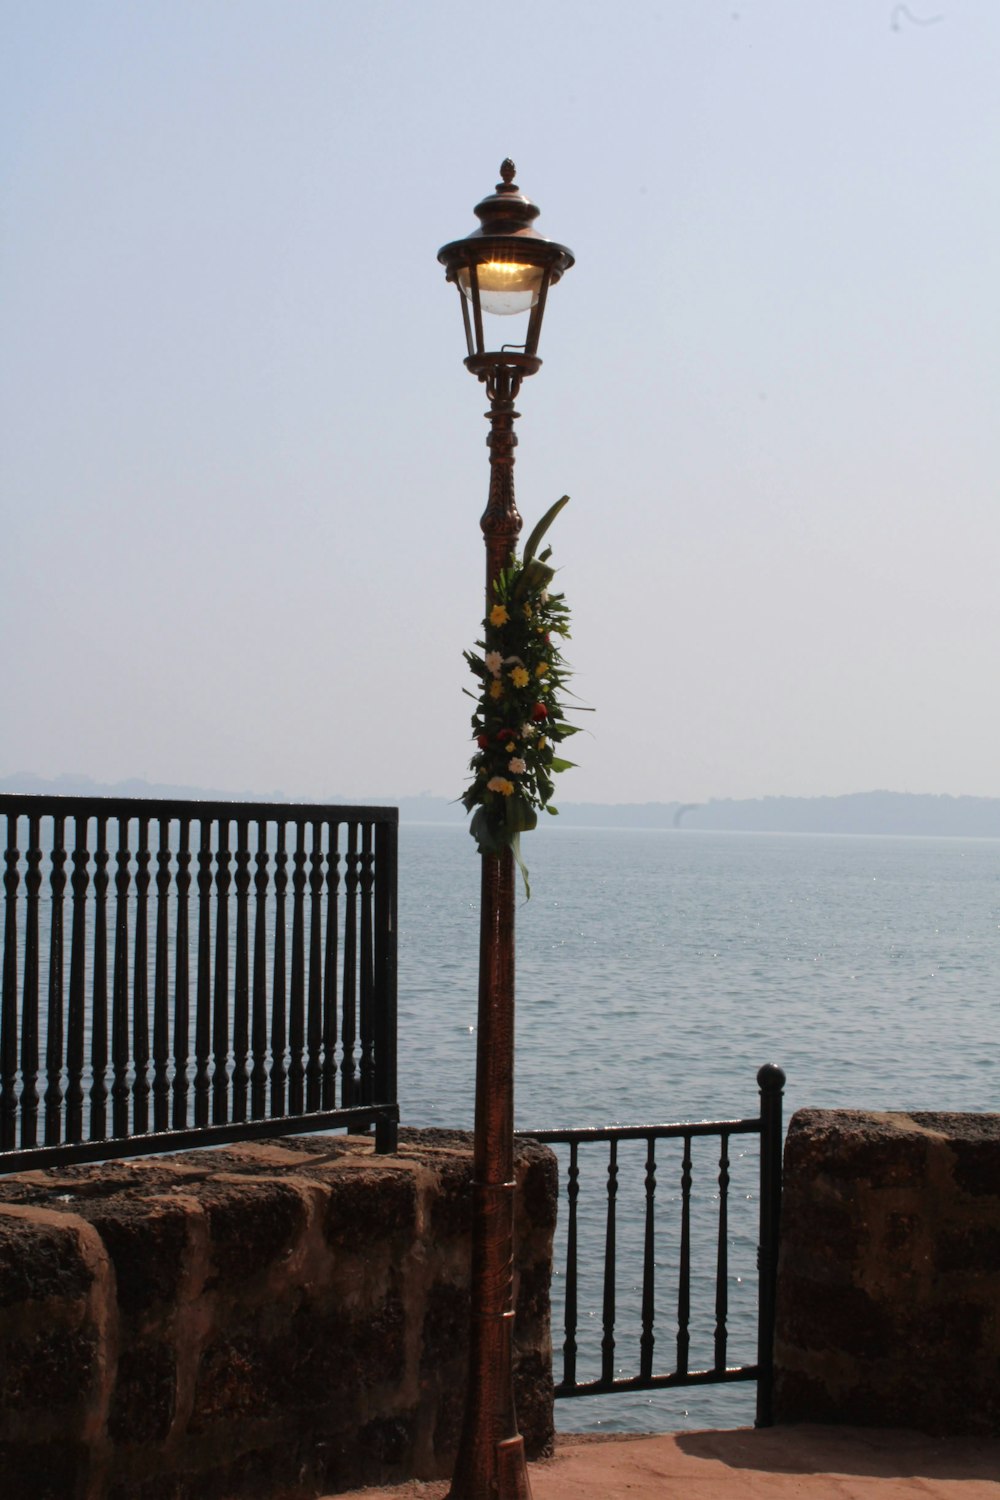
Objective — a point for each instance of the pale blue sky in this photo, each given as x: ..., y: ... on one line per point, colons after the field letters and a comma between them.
x: 242, y: 466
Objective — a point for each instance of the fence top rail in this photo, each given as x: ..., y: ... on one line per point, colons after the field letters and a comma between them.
x: 25, y: 804
x: 645, y: 1132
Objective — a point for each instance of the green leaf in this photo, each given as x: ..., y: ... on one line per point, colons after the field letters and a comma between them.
x: 542, y: 527
x: 515, y: 845
x: 535, y: 577
x: 484, y: 833
x: 561, y: 765
x: 520, y: 817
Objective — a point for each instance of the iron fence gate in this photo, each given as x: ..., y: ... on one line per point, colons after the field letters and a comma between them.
x: 648, y: 1373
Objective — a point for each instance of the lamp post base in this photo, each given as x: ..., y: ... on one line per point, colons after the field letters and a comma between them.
x: 490, y: 1464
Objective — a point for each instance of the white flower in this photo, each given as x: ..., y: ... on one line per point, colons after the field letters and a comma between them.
x: 494, y: 661
x: 528, y: 731
x: 517, y: 766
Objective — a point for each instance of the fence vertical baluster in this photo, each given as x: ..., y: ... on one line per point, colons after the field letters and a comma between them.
x: 366, y: 966
x: 608, y: 1339
x: 182, y: 986
x: 771, y: 1081
x: 8, y: 1006
x: 258, y: 1037
x: 722, y: 1255
x: 314, y: 1034
x: 279, y: 1030
x: 297, y: 998
x: 140, y: 985
x: 330, y: 969
x: 54, y: 1033
x: 79, y: 881
x: 203, y: 993
x: 386, y: 845
x: 220, y: 1006
x: 569, y: 1343
x: 119, y: 986
x: 29, y: 1010
x: 241, y: 994
x: 348, y: 1016
x: 161, y: 981
x: 647, y: 1340
x: 684, y: 1283
x: 99, y: 998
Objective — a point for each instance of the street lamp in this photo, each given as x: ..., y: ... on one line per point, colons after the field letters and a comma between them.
x: 502, y: 268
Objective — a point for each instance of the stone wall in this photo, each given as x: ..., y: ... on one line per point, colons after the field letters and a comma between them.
x: 279, y: 1320
x: 889, y: 1274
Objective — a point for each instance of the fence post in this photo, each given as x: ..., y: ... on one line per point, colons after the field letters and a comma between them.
x: 386, y: 857
x: 771, y: 1081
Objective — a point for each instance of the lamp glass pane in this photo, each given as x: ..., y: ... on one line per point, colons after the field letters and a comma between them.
x: 505, y: 286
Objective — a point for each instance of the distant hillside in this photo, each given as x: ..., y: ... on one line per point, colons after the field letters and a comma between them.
x: 857, y: 812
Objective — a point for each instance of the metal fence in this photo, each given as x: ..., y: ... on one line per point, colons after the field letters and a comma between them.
x: 668, y: 1244
x: 231, y: 973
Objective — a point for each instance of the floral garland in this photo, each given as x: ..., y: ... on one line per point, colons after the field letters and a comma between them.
x: 518, y: 719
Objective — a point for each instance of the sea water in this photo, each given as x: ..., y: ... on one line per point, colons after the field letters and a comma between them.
x: 656, y: 971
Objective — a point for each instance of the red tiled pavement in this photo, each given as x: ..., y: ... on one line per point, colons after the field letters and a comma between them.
x: 776, y: 1463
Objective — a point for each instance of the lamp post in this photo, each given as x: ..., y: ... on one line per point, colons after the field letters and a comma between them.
x: 502, y: 268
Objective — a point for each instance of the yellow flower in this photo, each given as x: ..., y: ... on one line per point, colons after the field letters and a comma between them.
x: 541, y: 669
x: 500, y: 784
x: 499, y: 615
x: 519, y: 677
x: 527, y: 611
x: 496, y: 688
x: 542, y: 743
x: 511, y: 748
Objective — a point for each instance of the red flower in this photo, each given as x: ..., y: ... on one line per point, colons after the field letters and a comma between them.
x: 483, y: 741
x: 507, y: 734
x: 539, y: 713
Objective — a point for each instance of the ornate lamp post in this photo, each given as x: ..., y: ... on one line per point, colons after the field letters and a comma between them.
x: 502, y: 268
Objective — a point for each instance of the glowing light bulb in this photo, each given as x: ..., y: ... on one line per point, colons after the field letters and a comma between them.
x: 505, y: 286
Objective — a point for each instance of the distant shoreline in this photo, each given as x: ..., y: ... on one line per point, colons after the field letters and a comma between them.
x: 877, y: 812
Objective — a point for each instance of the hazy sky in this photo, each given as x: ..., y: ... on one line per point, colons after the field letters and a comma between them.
x: 242, y: 465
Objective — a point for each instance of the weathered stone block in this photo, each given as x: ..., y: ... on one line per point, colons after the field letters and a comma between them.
x: 275, y: 1320
x: 889, y: 1272
x: 147, y: 1240
x: 251, y: 1225
x: 445, y: 1332
x: 40, y: 1258
x: 370, y: 1207
x: 47, y: 1371
x: 145, y: 1394
x: 45, y: 1471
x: 451, y: 1208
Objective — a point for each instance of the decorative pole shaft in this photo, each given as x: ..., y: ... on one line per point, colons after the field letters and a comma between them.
x: 491, y: 1464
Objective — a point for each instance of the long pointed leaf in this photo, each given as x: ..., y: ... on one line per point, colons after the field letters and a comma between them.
x: 542, y: 527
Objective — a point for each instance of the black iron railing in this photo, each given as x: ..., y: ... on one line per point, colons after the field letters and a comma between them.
x: 190, y: 973
x: 648, y: 1374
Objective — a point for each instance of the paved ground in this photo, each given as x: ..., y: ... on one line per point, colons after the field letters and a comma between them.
x: 777, y: 1463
